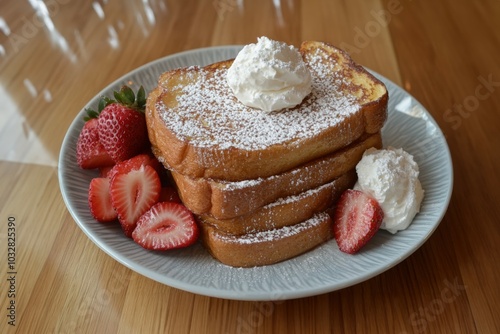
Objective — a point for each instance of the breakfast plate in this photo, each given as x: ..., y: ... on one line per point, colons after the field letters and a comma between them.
x: 322, y: 270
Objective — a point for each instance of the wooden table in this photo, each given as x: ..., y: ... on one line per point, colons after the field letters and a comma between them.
x: 55, y: 58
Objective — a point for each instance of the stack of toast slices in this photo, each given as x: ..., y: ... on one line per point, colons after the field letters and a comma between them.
x: 263, y: 185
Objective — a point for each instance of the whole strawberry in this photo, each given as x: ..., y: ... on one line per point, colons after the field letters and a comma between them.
x: 89, y: 151
x: 122, y: 124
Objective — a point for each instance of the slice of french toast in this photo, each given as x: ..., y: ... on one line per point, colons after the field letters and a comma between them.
x: 224, y: 200
x: 199, y: 129
x: 267, y: 247
x: 285, y: 211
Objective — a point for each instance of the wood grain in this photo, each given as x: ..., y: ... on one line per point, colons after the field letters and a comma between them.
x: 444, y: 53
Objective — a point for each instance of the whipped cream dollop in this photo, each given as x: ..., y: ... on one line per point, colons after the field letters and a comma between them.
x: 269, y: 75
x: 391, y: 177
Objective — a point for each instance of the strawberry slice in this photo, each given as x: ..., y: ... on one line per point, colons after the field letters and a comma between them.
x: 100, y: 200
x: 132, y: 194
x: 90, y: 153
x: 357, y: 218
x: 135, y: 163
x: 166, y: 225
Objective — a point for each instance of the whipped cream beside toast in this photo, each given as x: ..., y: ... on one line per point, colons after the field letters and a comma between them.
x: 391, y: 177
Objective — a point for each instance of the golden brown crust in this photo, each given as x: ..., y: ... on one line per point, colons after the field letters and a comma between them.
x: 264, y: 248
x: 234, y: 164
x: 259, y: 203
x: 224, y: 200
x: 286, y: 211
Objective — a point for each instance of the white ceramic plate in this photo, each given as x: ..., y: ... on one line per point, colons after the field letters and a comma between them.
x: 321, y: 270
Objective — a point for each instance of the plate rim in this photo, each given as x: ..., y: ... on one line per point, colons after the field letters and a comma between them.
x: 228, y: 293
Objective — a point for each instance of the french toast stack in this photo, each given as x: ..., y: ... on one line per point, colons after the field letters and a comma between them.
x: 262, y: 184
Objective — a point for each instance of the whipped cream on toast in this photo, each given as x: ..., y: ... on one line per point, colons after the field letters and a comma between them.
x: 269, y: 76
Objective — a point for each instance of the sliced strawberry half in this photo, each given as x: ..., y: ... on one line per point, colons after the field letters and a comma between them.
x: 132, y: 194
x: 166, y: 225
x: 90, y: 153
x: 357, y: 218
x: 135, y: 163
x: 100, y: 200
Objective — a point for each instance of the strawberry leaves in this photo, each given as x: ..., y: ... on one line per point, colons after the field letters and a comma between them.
x: 104, y: 101
x: 122, y: 129
x: 114, y: 139
x: 125, y: 96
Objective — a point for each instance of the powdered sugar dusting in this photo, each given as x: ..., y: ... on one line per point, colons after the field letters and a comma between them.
x: 208, y: 114
x: 275, y: 234
x: 305, y: 194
